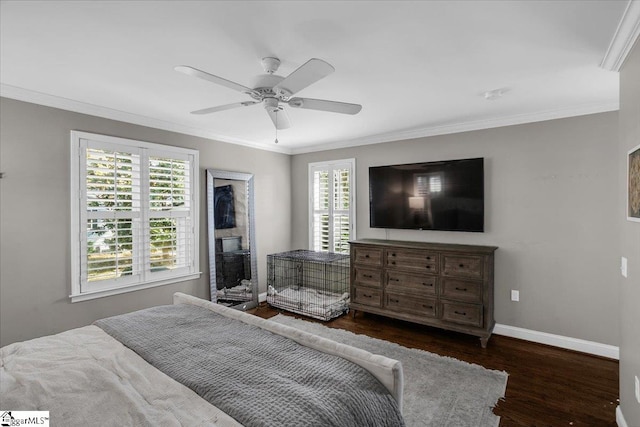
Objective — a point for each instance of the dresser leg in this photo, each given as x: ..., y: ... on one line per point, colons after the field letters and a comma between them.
x: 484, y: 341
x: 354, y: 313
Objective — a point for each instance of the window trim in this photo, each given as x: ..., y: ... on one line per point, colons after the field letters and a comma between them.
x: 76, y: 215
x: 331, y: 164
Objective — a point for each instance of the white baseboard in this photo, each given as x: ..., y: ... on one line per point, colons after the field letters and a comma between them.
x: 620, y: 418
x: 598, y: 349
x: 584, y: 346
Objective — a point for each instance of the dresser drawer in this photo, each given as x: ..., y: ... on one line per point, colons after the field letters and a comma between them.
x: 404, y: 303
x: 367, y: 296
x: 464, y: 314
x: 462, y: 266
x: 404, y: 282
x: 368, y: 277
x: 461, y: 290
x: 367, y: 256
x: 421, y: 261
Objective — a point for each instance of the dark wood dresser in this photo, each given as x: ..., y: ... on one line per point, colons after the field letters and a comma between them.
x: 443, y: 285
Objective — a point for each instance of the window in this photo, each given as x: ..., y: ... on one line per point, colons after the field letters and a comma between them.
x: 332, y: 205
x: 134, y: 215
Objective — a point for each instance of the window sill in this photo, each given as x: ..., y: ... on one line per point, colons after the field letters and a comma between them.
x: 99, y: 294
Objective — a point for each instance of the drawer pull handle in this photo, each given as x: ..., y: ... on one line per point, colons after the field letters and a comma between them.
x: 461, y: 266
x: 367, y: 296
x: 394, y: 280
x: 368, y: 276
x: 367, y: 256
x: 428, y: 267
x: 427, y: 284
x: 460, y: 313
x: 394, y: 300
x: 429, y: 257
x: 430, y: 307
x: 461, y: 289
x: 393, y: 254
x: 393, y: 262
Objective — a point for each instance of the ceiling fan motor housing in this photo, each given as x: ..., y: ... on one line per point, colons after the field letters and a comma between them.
x: 263, y: 85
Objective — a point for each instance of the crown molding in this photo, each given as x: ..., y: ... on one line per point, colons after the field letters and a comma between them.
x: 624, y: 38
x: 519, y: 119
x: 26, y: 95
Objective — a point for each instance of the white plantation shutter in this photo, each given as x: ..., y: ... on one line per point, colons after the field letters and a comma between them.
x: 332, y: 208
x: 111, y: 215
x: 321, y: 227
x: 135, y: 219
x: 341, y: 209
x: 169, y: 238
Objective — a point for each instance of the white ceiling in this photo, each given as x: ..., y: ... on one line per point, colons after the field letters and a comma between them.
x: 417, y: 68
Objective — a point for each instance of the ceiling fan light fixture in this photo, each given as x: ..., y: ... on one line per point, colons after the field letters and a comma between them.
x: 271, y: 104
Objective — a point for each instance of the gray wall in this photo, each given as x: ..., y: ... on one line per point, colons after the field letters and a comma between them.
x: 629, y: 241
x: 35, y: 208
x: 550, y: 207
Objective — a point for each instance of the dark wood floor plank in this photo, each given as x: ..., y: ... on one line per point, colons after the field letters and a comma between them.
x: 547, y: 386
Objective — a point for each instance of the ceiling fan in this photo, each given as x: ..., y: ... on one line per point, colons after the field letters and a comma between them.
x: 274, y: 91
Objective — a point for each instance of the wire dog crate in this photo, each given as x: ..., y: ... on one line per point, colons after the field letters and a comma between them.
x: 314, y: 284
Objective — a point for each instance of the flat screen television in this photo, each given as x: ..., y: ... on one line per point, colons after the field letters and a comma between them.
x: 446, y: 195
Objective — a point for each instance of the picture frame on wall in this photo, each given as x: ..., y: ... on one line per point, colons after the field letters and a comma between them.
x: 633, y: 184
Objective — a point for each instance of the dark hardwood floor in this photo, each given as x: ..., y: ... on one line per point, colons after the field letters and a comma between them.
x: 547, y: 386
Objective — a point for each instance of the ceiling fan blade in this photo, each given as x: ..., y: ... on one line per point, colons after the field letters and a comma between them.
x: 307, y: 74
x: 224, y: 107
x: 323, y: 105
x: 190, y: 71
x: 282, y: 119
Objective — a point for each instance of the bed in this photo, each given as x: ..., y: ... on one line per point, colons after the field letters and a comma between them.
x: 181, y: 364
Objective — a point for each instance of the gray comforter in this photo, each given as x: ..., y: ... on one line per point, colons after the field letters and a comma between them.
x: 258, y: 378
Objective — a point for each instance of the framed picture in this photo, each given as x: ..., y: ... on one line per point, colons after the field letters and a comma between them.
x: 633, y: 184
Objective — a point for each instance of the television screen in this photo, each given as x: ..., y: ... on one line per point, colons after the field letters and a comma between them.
x: 447, y: 195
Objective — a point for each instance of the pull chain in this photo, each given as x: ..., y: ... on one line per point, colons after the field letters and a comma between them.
x: 276, y: 126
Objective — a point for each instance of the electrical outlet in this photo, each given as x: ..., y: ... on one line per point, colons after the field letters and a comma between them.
x: 623, y: 266
x: 515, y: 295
x: 637, y: 389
